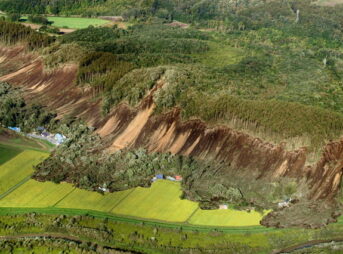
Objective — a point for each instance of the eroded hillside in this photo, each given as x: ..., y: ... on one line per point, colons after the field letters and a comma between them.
x: 127, y: 127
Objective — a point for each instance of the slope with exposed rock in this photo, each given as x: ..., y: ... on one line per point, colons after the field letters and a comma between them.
x: 140, y: 127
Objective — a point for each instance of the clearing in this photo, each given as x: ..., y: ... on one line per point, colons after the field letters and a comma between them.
x: 76, y: 23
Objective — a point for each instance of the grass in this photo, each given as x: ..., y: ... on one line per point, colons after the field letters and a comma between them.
x: 228, y: 217
x: 219, y: 55
x: 76, y: 23
x: 36, y: 194
x: 8, y: 153
x: 160, y: 202
x: 83, y: 199
x: 18, y: 168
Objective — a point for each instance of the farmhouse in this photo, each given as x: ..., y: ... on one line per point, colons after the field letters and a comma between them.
x: 223, y: 207
x: 170, y: 178
x: 178, y: 178
x: 16, y: 129
x: 159, y: 176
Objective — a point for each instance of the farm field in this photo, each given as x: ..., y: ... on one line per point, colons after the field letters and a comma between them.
x: 160, y: 202
x: 36, y: 194
x: 90, y: 200
x: 18, y: 168
x: 228, y: 217
x: 76, y: 23
x: 8, y: 153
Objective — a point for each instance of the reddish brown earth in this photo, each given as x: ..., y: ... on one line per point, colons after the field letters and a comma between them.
x: 139, y: 127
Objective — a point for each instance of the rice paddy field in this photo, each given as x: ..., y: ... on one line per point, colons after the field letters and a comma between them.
x: 160, y: 202
x: 76, y: 23
x: 90, y: 200
x: 7, y: 153
x: 18, y: 168
x: 230, y: 217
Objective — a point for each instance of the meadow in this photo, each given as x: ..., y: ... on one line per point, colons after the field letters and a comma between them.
x: 76, y: 23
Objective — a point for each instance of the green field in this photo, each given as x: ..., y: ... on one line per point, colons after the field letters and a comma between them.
x: 36, y: 194
x: 76, y: 23
x: 160, y: 202
x: 18, y: 168
x: 90, y: 200
x: 8, y: 153
x: 228, y: 217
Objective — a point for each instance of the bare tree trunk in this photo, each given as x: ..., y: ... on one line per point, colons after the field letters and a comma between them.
x: 298, y: 16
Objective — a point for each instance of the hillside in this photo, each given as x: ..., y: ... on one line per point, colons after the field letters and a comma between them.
x: 244, y: 101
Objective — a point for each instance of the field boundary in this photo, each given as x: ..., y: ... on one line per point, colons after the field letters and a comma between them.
x: 66, y: 195
x: 122, y: 199
x: 14, y: 187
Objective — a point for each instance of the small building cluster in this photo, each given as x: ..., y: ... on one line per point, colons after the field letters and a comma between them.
x: 223, y: 207
x: 16, y: 129
x: 41, y: 133
x: 54, y: 138
x: 176, y: 178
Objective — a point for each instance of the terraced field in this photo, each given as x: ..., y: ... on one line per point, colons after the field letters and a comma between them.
x: 161, y: 202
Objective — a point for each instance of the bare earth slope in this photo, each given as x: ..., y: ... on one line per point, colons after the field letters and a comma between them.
x: 139, y: 127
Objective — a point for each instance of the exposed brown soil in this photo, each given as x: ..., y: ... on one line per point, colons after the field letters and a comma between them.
x: 33, y: 26
x: 139, y: 127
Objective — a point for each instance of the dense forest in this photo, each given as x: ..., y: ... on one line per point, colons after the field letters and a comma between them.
x: 186, y: 10
x: 260, y: 64
x: 15, y: 112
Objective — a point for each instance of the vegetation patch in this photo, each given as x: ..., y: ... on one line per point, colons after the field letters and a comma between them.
x: 230, y: 217
x: 77, y: 23
x: 36, y: 194
x: 19, y: 168
x: 90, y: 200
x: 160, y: 202
x: 8, y: 153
